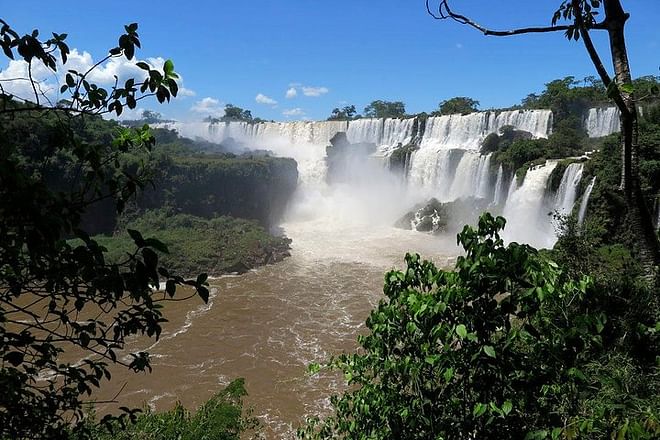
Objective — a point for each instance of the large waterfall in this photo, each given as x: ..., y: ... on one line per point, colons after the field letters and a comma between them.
x: 602, y: 121
x: 445, y: 164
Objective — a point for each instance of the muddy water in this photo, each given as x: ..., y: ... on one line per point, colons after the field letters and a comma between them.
x: 269, y: 324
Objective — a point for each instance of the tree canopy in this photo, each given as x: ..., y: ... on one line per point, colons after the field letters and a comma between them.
x: 385, y: 109
x: 458, y: 105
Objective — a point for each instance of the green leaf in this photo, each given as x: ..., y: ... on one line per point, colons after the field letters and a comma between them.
x: 479, y: 409
x: 168, y: 67
x: 448, y: 374
x: 461, y: 331
x: 490, y: 351
x: 507, y: 407
x: 626, y: 88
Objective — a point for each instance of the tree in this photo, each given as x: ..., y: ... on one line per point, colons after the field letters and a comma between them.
x: 346, y: 113
x: 458, y: 105
x: 385, y: 109
x: 581, y: 17
x: 233, y: 113
x: 57, y: 291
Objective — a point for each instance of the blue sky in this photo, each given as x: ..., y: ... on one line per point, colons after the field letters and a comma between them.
x: 251, y: 52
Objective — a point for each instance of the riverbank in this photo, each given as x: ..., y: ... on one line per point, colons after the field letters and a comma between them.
x: 216, y: 246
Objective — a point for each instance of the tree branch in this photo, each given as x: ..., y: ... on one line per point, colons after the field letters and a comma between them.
x: 595, y: 58
x: 445, y: 12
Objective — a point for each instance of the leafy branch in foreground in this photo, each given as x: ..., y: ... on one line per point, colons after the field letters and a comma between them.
x: 58, y: 299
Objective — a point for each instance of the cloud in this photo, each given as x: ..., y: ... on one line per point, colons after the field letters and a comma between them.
x: 48, y: 82
x: 263, y: 99
x: 185, y: 92
x: 459, y: 45
x: 291, y: 93
x: 314, y: 91
x: 208, y: 106
x: 294, y: 112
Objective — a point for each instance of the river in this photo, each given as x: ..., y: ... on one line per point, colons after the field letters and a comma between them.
x: 269, y: 324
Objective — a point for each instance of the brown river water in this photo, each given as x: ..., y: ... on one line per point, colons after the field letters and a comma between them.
x: 269, y: 324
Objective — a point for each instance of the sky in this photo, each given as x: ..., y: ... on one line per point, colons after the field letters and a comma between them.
x: 299, y: 59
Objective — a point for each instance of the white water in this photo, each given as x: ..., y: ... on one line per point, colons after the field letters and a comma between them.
x: 468, y: 131
x: 567, y: 191
x: 602, y: 121
x: 527, y: 211
x: 499, y: 183
x: 585, y: 201
x: 447, y: 166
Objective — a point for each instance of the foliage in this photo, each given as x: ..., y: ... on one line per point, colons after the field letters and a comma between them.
x: 346, y: 113
x: 218, y: 245
x: 232, y: 114
x: 505, y: 346
x: 219, y: 418
x: 55, y: 296
x: 385, y: 109
x: 568, y: 97
x: 248, y: 186
x: 458, y: 105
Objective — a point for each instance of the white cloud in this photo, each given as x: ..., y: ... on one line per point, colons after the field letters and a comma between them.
x: 314, y: 91
x: 291, y: 93
x: 263, y: 99
x: 208, y: 106
x: 49, y: 82
x: 185, y: 92
x: 294, y: 112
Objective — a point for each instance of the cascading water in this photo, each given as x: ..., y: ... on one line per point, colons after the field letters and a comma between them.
x: 447, y: 164
x: 499, y: 183
x: 582, y: 212
x: 602, y: 121
x: 468, y: 131
x: 526, y: 209
x: 565, y: 197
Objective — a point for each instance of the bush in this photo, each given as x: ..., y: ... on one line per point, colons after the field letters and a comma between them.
x: 219, y: 418
x: 506, y: 346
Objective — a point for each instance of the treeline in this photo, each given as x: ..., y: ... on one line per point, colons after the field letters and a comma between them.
x: 563, y: 96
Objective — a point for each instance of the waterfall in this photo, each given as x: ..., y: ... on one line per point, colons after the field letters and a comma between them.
x: 365, y: 131
x: 565, y: 197
x: 497, y: 198
x: 602, y: 121
x: 585, y: 201
x: 468, y: 131
x: 447, y: 164
x: 526, y: 209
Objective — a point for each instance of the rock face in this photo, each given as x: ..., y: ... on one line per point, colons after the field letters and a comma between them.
x: 436, y: 217
x: 248, y: 186
x: 343, y: 156
x: 431, y: 216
